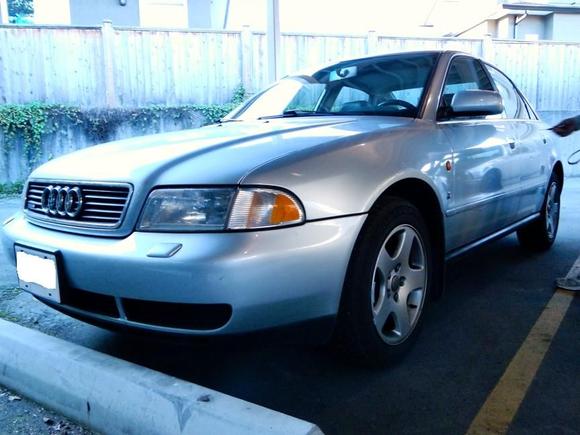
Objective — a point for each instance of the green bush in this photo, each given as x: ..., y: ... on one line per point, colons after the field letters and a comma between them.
x: 28, y: 123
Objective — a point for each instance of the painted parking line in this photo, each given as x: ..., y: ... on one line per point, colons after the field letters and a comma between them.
x: 498, y: 411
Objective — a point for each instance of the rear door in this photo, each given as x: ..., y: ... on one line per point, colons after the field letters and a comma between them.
x: 486, y: 189
x: 530, y: 147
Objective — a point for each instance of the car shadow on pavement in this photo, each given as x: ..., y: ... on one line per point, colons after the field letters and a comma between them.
x: 492, y: 298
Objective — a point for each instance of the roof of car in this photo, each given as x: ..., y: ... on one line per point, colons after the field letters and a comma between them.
x: 403, y: 53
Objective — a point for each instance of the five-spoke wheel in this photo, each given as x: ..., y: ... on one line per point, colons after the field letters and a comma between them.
x: 398, y: 287
x: 540, y: 234
x: 388, y: 284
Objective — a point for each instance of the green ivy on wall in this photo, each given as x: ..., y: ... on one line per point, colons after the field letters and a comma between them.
x: 9, y: 189
x: 28, y: 123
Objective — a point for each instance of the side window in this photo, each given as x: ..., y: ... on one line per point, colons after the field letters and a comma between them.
x: 464, y: 74
x: 513, y: 105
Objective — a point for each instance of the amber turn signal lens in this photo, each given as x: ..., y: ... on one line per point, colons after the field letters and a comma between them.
x: 285, y: 210
x: 264, y: 208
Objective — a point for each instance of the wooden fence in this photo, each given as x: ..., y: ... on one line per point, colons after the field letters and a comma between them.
x: 109, y: 66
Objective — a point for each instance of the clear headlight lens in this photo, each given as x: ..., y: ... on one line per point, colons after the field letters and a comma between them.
x: 186, y: 210
x: 219, y: 209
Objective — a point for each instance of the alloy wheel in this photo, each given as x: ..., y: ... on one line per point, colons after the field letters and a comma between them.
x: 399, y: 283
x: 552, y: 210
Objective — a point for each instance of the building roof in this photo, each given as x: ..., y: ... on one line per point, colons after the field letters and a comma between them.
x: 521, y: 8
x: 546, y: 8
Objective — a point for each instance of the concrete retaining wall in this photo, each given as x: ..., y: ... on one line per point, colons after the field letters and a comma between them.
x: 14, y: 166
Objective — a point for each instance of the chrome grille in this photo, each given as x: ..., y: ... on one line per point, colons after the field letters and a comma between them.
x: 103, y: 205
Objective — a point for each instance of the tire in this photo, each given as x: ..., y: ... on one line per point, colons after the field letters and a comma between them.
x: 388, y: 285
x: 540, y: 234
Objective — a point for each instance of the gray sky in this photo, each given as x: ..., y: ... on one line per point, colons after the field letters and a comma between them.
x: 389, y: 17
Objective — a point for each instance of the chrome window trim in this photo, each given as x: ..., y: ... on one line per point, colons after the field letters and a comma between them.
x: 483, y: 120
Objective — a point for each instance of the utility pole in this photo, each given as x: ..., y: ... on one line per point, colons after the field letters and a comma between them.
x: 274, y: 38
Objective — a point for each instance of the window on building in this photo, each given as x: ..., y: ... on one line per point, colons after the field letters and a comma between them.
x: 20, y: 11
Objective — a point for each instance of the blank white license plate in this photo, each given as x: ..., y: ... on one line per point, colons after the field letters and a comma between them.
x: 38, y: 273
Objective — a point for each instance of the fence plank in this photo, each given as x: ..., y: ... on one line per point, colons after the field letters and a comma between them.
x: 91, y: 67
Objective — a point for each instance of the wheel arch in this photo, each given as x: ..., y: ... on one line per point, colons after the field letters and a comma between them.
x: 558, y: 169
x: 423, y: 196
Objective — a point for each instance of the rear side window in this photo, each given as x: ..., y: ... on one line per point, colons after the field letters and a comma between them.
x: 464, y: 74
x: 514, y: 107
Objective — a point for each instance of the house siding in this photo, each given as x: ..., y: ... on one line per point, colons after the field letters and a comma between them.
x: 199, y: 14
x: 91, y: 13
x: 565, y: 27
x: 530, y: 28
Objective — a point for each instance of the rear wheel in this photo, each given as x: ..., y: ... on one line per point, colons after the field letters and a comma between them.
x: 388, y: 284
x: 540, y: 234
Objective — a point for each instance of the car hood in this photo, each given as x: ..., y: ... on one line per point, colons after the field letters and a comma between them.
x: 213, y: 155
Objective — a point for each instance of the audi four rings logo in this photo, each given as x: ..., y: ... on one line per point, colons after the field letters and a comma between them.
x: 62, y: 201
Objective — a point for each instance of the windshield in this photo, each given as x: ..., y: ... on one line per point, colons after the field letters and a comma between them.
x: 389, y: 85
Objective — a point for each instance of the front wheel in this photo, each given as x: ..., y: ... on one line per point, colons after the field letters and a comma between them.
x: 388, y: 284
x: 541, y: 234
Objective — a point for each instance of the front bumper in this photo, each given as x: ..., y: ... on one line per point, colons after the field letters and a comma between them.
x: 268, y: 279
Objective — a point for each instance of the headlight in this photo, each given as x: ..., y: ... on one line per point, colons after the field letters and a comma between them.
x: 183, y: 210
x: 186, y: 210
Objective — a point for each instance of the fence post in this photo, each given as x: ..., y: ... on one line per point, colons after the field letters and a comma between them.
x: 274, y: 39
x: 107, y: 35
x: 3, y: 12
x: 372, y: 42
x: 487, y: 48
x: 247, y: 59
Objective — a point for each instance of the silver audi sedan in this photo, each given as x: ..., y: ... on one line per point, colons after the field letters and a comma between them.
x: 331, y: 200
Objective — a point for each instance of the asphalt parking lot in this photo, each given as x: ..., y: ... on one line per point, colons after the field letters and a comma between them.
x: 493, y: 299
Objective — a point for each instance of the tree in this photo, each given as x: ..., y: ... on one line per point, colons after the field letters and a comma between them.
x: 20, y: 7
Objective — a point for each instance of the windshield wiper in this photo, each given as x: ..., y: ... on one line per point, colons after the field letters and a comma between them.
x: 285, y: 114
x: 295, y: 114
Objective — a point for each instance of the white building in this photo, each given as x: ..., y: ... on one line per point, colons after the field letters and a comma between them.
x: 530, y: 21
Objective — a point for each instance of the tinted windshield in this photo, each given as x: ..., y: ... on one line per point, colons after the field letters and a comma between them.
x: 389, y: 85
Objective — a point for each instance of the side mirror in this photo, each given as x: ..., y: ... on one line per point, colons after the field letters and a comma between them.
x: 476, y: 103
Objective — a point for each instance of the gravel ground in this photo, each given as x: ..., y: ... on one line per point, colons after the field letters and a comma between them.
x: 17, y: 414
x: 21, y: 416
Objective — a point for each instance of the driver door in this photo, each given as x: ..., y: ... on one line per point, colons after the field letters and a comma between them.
x: 486, y: 184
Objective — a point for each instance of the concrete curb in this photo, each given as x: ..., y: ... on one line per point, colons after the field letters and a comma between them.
x: 113, y: 396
